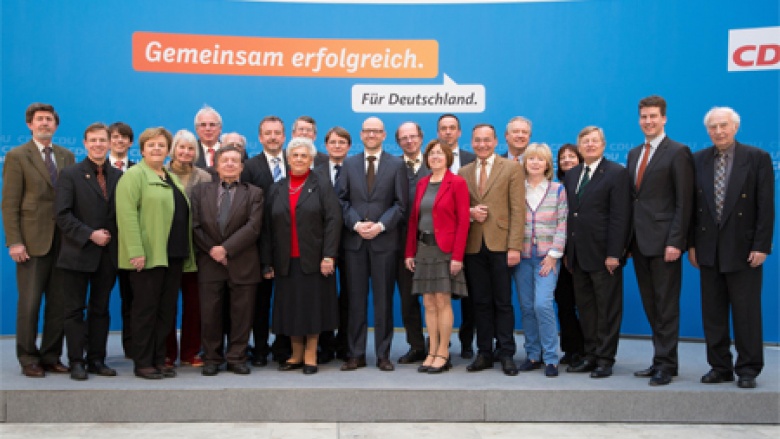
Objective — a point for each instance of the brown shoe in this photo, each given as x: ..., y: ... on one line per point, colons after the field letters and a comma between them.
x: 385, y: 365
x: 354, y: 363
x: 57, y: 367
x: 33, y: 371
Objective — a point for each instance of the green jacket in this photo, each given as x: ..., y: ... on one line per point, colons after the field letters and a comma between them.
x: 144, y: 213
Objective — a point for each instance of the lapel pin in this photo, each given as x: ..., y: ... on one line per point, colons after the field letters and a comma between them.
x: 87, y: 176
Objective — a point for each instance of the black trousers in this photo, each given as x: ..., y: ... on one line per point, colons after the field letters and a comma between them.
x: 240, y: 300
x: 261, y: 328
x: 490, y: 288
x: 572, y: 341
x: 94, y: 329
x: 411, y: 311
x: 154, y: 309
x: 126, y: 296
x: 599, y: 297
x: 337, y: 341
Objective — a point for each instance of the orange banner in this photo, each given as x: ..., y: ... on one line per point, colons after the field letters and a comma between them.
x: 258, y: 56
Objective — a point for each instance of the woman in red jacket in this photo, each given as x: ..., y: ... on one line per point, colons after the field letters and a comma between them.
x: 435, y: 243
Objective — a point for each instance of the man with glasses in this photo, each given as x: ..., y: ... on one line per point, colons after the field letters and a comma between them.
x: 208, y: 126
x: 305, y: 126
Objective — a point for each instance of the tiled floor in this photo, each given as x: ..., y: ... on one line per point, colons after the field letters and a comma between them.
x: 394, y: 431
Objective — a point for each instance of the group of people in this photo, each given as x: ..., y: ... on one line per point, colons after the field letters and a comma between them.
x: 197, y: 215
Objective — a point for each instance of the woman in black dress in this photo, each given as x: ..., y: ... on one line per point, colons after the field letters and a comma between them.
x: 301, y: 233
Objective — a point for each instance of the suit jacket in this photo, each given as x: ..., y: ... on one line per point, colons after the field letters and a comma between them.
x: 318, y: 223
x: 748, y: 210
x: 386, y: 203
x: 82, y: 209
x: 450, y: 216
x: 241, y: 233
x: 599, y: 221
x: 201, y: 161
x: 466, y: 157
x: 28, y: 197
x: 663, y: 204
x: 320, y: 158
x: 505, y: 197
x: 423, y: 171
x: 257, y: 173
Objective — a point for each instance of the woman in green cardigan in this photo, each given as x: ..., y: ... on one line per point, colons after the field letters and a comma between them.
x: 155, y: 243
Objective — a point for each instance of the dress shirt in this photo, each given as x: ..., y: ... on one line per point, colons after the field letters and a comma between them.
x: 592, y: 168
x: 488, y: 166
x: 271, y: 165
x: 332, y: 167
x: 455, y: 160
x: 417, y: 162
x: 511, y: 157
x: 653, y: 148
x: 113, y: 161
x: 216, y: 147
x: 41, y: 147
x: 376, y: 162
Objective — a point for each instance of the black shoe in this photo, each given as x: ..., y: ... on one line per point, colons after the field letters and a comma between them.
x: 481, y: 363
x: 467, y: 353
x: 287, y: 366
x: 601, y: 372
x: 209, y: 370
x: 239, y: 369
x: 744, y: 382
x: 645, y: 373
x: 77, y: 371
x: 551, y: 371
x: 149, y: 373
x: 308, y: 369
x: 260, y: 362
x: 715, y: 377
x: 167, y: 372
x: 581, y: 367
x: 570, y: 358
x: 423, y: 368
x: 443, y: 368
x: 509, y: 367
x: 325, y: 356
x: 660, y: 378
x: 530, y: 365
x: 412, y: 356
x: 100, y: 368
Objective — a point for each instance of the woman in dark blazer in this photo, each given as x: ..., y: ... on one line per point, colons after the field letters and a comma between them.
x: 435, y: 244
x: 301, y: 234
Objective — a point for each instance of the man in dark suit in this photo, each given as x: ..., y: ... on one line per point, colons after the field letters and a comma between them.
x: 121, y: 139
x: 730, y: 240
x: 449, y: 132
x: 86, y: 216
x: 226, y: 220
x: 373, y: 190
x: 661, y: 174
x: 208, y: 127
x: 29, y: 175
x: 335, y: 344
x: 306, y: 126
x: 598, y: 226
x: 262, y: 171
x: 497, y: 199
x: 409, y: 137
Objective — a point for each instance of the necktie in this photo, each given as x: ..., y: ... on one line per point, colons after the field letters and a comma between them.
x: 410, y: 164
x: 224, y: 207
x: 337, y: 168
x: 101, y: 178
x: 211, y: 156
x: 277, y: 169
x: 371, y: 173
x: 642, y: 166
x: 119, y: 164
x: 720, y: 184
x: 585, y: 180
x: 50, y: 166
x: 482, y: 177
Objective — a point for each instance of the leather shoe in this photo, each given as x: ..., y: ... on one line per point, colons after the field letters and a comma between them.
x: 100, y: 368
x: 467, y: 353
x: 149, y: 373
x: 581, y: 367
x: 385, y: 365
x: 209, y: 370
x: 260, y: 362
x: 601, y: 372
x: 309, y: 369
x: 645, y: 373
x: 325, y: 356
x: 746, y: 382
x: 33, y: 371
x: 239, y: 369
x: 57, y: 367
x: 78, y: 372
x: 167, y: 372
x: 287, y: 366
x: 551, y: 371
x: 353, y: 363
x: 439, y: 369
x: 715, y: 377
x: 660, y: 378
x: 482, y: 362
x: 530, y: 365
x: 570, y: 358
x: 412, y: 356
x: 508, y: 366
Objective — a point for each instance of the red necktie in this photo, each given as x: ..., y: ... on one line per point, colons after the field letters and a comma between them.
x: 642, y: 166
x: 101, y: 178
x: 211, y: 156
x: 119, y: 164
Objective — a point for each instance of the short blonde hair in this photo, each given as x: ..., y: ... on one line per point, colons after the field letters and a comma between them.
x: 543, y: 151
x: 589, y: 129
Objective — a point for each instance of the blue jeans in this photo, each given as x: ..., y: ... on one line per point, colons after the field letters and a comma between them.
x: 536, y: 294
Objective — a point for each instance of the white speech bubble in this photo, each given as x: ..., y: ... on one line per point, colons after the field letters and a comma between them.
x: 448, y: 97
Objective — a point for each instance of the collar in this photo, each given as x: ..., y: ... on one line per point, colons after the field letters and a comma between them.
x: 728, y: 151
x: 657, y: 141
x: 593, y: 166
x: 41, y: 145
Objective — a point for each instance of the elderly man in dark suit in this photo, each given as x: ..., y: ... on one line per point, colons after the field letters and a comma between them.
x: 226, y: 220
x: 661, y: 173
x: 208, y: 127
x: 497, y: 198
x: 373, y: 190
x: 730, y: 240
x: 598, y: 226
x: 29, y: 175
x: 86, y: 215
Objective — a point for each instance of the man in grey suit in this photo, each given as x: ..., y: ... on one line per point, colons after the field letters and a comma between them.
x: 373, y: 190
x: 29, y: 175
x: 661, y: 174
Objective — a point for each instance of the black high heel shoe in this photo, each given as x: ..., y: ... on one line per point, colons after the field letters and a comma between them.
x: 423, y: 368
x: 443, y: 368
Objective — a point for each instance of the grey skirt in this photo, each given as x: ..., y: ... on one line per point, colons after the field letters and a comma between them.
x: 432, y: 273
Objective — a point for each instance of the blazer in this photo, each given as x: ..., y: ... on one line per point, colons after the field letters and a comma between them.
x: 320, y: 158
x: 505, y: 197
x: 241, y: 233
x: 466, y: 157
x: 748, y: 211
x: 450, y: 216
x: 198, y: 176
x: 257, y: 173
x: 663, y: 205
x: 28, y: 197
x: 81, y: 209
x: 200, y: 162
x: 385, y: 204
x: 317, y: 220
x: 599, y: 222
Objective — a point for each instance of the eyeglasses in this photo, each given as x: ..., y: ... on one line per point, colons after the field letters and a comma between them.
x: 207, y: 124
x: 370, y: 131
x: 409, y: 138
x: 235, y: 145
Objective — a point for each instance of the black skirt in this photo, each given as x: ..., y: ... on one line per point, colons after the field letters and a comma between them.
x: 304, y: 304
x: 432, y: 273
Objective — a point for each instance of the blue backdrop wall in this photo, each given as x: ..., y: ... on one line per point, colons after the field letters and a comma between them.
x: 562, y: 64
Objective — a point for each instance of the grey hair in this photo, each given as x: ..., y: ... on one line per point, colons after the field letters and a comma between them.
x: 240, y: 136
x: 728, y: 110
x: 184, y: 136
x: 520, y: 119
x: 298, y: 142
x: 207, y: 109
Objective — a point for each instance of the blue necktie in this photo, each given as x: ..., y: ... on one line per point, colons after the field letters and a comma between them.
x: 277, y: 169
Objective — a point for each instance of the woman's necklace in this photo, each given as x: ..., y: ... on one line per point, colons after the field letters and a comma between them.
x: 294, y: 191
